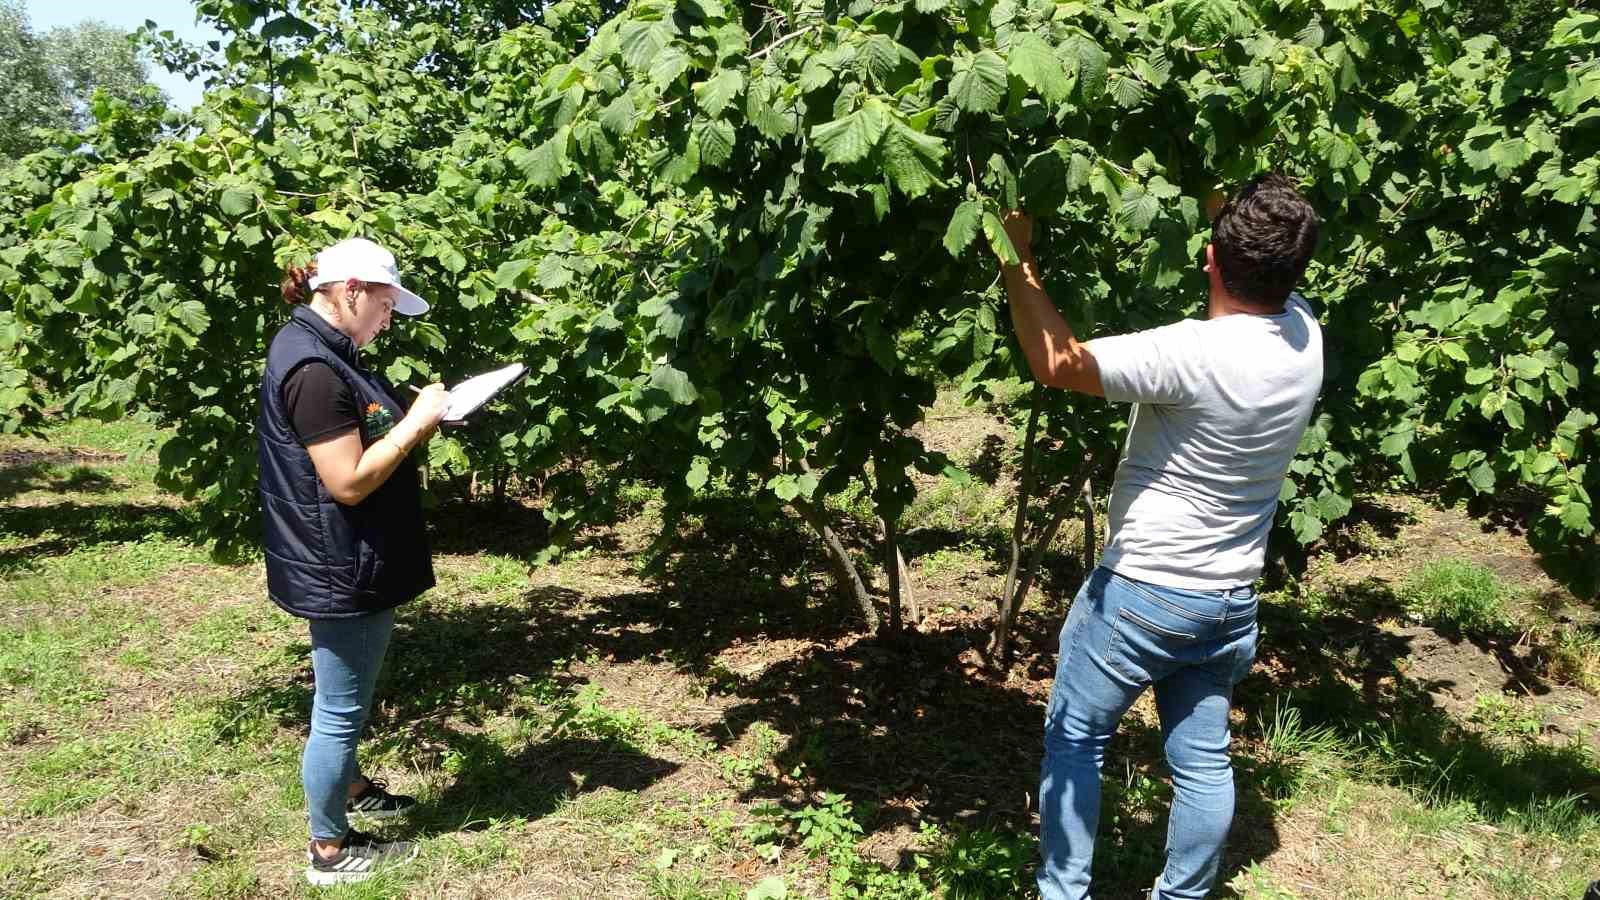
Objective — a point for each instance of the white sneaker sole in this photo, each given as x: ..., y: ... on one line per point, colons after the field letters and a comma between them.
x: 379, y: 813
x: 323, y: 878
x: 319, y: 878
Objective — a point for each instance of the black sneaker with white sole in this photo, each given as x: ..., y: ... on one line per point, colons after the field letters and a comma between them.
x: 362, y: 856
x: 375, y: 801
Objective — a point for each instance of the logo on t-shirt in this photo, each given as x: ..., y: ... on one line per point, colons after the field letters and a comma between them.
x: 379, y: 420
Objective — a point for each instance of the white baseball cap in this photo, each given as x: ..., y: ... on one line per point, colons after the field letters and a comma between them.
x: 363, y: 260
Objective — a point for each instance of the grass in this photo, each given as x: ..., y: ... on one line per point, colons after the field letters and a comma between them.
x: 709, y: 730
x: 1505, y: 715
x: 1459, y: 595
x: 1575, y: 656
x: 960, y: 506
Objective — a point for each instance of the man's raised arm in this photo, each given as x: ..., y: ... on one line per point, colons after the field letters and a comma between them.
x: 1056, y: 356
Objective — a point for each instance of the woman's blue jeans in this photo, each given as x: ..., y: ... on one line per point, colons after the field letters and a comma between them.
x: 346, y: 657
x: 1121, y: 637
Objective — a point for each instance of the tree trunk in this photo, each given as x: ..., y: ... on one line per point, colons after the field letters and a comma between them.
x: 1007, y: 609
x: 908, y: 589
x: 848, y: 581
x: 1060, y: 506
x: 1089, y: 539
x: 892, y: 563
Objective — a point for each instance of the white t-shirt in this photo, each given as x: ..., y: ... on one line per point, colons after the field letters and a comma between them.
x: 1219, y: 409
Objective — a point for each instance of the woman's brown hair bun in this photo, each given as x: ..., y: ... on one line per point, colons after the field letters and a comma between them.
x: 296, y: 285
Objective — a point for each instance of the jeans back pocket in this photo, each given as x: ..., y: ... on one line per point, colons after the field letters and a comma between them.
x: 1146, y: 641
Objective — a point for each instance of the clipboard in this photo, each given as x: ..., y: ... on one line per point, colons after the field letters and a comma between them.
x: 469, y: 396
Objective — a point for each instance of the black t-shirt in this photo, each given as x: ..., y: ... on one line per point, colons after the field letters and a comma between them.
x: 320, y: 404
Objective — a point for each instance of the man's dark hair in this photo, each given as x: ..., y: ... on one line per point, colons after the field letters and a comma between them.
x: 1264, y: 237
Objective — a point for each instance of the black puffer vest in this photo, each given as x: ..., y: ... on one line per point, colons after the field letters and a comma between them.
x: 326, y: 560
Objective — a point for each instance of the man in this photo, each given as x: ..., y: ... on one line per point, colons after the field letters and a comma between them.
x: 1219, y: 408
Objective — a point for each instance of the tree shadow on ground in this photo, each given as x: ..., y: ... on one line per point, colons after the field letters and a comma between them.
x: 905, y: 726
x: 60, y: 528
x: 990, y: 459
x: 45, y: 475
x: 509, y: 529
x: 492, y: 785
x: 1345, y: 670
x: 902, y: 725
x: 1571, y: 561
x: 1059, y: 572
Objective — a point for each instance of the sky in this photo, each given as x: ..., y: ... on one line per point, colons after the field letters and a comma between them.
x: 176, y: 15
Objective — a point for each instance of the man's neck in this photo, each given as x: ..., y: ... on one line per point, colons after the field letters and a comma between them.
x: 1223, y: 303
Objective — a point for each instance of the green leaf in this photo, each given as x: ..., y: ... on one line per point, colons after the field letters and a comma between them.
x: 1509, y: 155
x: 509, y: 276
x: 995, y: 231
x: 773, y: 887
x: 1033, y: 61
x: 619, y: 115
x: 10, y: 331
x: 553, y: 272
x: 1513, y: 412
x: 963, y: 226
x: 1306, y: 525
x: 678, y: 168
x: 1489, y: 315
x: 910, y: 158
x: 1044, y: 183
x: 642, y: 42
x: 668, y: 65
x: 675, y: 383
x: 1139, y: 208
x: 772, y: 122
x: 1575, y: 515
x: 236, y: 201
x: 715, y: 93
x: 786, y: 487
x: 708, y: 9
x: 1093, y: 64
x: 1127, y: 91
x: 548, y: 163
x: 1332, y: 506
x: 96, y: 239
x: 1525, y: 366
x: 1395, y: 442
x: 699, y: 474
x: 287, y: 26
x: 851, y: 138
x: 192, y: 314
x: 978, y: 81
x: 716, y: 142
x: 1481, y: 477
x: 1207, y: 21
x: 883, y: 57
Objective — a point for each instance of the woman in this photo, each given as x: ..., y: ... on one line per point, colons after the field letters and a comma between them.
x: 344, y: 536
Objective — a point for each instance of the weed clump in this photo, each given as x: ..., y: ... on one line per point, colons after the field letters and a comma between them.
x: 1458, y: 596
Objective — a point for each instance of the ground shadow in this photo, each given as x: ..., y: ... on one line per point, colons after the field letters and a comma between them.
x: 482, y: 526
x: 1345, y: 670
x: 492, y: 785
x: 905, y: 726
x: 990, y: 459
x: 45, y: 476
x: 64, y: 527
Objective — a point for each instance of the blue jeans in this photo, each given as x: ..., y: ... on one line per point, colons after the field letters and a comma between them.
x: 346, y: 656
x: 1121, y: 637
